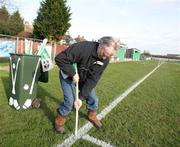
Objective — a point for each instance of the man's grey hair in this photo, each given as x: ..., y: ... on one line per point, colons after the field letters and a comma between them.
x: 108, y: 41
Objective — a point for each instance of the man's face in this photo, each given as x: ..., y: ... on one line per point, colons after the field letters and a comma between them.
x: 109, y: 52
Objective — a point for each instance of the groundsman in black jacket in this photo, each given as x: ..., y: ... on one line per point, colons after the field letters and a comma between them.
x: 91, y: 58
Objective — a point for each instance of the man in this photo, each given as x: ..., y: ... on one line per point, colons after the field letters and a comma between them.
x: 91, y: 58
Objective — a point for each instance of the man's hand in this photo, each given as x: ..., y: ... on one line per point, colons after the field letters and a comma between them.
x: 77, y: 104
x: 76, y: 78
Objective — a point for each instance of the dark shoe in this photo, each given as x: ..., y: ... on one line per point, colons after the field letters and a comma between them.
x: 59, y: 123
x: 93, y: 119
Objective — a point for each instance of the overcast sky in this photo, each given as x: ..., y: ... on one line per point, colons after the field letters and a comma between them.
x: 152, y: 25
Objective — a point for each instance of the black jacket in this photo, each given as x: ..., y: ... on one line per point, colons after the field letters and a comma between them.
x: 90, y: 67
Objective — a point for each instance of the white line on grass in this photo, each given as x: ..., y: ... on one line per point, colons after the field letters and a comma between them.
x: 84, y: 129
x: 96, y: 141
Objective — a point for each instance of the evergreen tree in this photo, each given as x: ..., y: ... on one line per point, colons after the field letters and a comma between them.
x: 16, y: 24
x: 52, y: 20
x: 10, y: 24
x: 4, y: 20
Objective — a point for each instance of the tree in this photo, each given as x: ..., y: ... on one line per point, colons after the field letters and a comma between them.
x: 10, y: 24
x: 52, y: 20
x: 4, y: 20
x: 16, y: 24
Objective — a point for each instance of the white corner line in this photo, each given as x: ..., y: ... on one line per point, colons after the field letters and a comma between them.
x: 84, y: 129
x: 96, y: 141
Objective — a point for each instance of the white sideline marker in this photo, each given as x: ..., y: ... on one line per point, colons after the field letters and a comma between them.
x: 96, y: 141
x: 84, y: 129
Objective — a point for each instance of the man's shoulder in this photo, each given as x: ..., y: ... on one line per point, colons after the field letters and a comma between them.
x: 88, y: 46
x: 86, y: 43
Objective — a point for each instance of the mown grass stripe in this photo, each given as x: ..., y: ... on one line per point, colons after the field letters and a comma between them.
x: 83, y: 130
